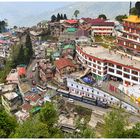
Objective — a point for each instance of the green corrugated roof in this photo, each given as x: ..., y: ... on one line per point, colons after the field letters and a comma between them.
x: 35, y: 109
x: 69, y: 46
x: 71, y: 29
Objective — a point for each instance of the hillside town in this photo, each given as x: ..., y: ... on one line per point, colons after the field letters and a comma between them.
x: 86, y: 67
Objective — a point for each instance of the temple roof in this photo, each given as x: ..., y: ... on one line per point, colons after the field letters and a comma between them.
x: 133, y: 19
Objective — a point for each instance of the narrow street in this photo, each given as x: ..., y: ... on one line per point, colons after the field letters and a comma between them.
x: 29, y: 72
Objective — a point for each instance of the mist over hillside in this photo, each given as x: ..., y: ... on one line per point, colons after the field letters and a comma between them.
x: 28, y: 14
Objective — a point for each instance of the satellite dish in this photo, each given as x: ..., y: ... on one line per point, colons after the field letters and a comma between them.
x: 137, y: 6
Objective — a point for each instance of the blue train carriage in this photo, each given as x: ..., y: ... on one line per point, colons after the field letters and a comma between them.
x: 64, y: 93
x: 103, y: 104
x: 89, y: 100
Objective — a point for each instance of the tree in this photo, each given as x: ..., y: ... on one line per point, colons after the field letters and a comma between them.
x: 65, y: 16
x: 61, y: 17
x: 115, y: 121
x: 7, y: 124
x: 58, y: 17
x: 21, y: 56
x: 88, y: 133
x: 133, y: 133
x: 76, y: 13
x: 133, y: 11
x: 103, y: 16
x: 48, y: 114
x: 3, y: 25
x: 53, y: 18
x: 120, y: 17
x: 85, y: 130
x: 32, y: 128
x: 28, y: 44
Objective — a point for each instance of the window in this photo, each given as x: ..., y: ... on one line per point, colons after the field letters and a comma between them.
x: 110, y: 64
x: 77, y: 86
x: 99, y: 62
x: 119, y: 67
x: 87, y: 89
x: 92, y: 91
x: 111, y: 70
x: 97, y: 92
x: 99, y: 67
x: 72, y: 85
x: 119, y: 72
x: 134, y: 72
x: 111, y: 98
x: 82, y: 88
x: 126, y: 70
x: 134, y: 78
x: 104, y: 95
x: 126, y: 76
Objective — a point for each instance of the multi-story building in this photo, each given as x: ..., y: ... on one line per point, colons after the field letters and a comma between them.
x: 130, y: 38
x: 104, y: 63
x: 11, y: 101
x: 102, y: 27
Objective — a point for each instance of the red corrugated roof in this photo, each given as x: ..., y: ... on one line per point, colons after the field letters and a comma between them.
x: 63, y: 62
x: 102, y: 23
x: 21, y: 71
x: 32, y: 97
x: 71, y: 21
x: 26, y: 106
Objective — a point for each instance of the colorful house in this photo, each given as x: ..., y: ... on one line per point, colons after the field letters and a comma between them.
x: 64, y: 66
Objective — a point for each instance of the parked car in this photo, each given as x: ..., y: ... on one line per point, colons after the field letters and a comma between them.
x: 33, y: 82
x: 70, y: 100
x: 33, y: 69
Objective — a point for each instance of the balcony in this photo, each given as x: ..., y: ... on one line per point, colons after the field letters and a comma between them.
x: 128, y: 47
x: 128, y: 40
x: 131, y: 25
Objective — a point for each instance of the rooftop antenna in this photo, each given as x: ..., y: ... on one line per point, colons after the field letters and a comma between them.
x: 137, y: 6
x: 130, y: 6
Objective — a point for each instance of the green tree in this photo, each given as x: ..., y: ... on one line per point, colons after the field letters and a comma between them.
x: 32, y: 128
x: 21, y: 56
x: 115, y: 121
x: 7, y: 124
x: 58, y: 17
x: 133, y: 11
x: 61, y: 17
x: 120, y: 17
x: 65, y: 16
x: 3, y: 25
x: 53, y: 18
x: 88, y: 133
x: 29, y: 49
x: 103, y: 16
x: 48, y: 114
x: 85, y: 130
x: 133, y: 133
x: 76, y: 13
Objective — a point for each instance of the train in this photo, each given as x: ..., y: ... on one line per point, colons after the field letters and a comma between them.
x: 83, y: 99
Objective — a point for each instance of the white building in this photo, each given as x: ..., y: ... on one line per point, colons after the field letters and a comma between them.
x: 78, y: 89
x: 104, y: 63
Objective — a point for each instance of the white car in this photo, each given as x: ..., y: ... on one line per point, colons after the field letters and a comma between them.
x: 70, y: 100
x: 33, y: 69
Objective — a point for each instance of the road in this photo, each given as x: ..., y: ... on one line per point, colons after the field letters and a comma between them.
x: 29, y: 72
x: 132, y: 118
